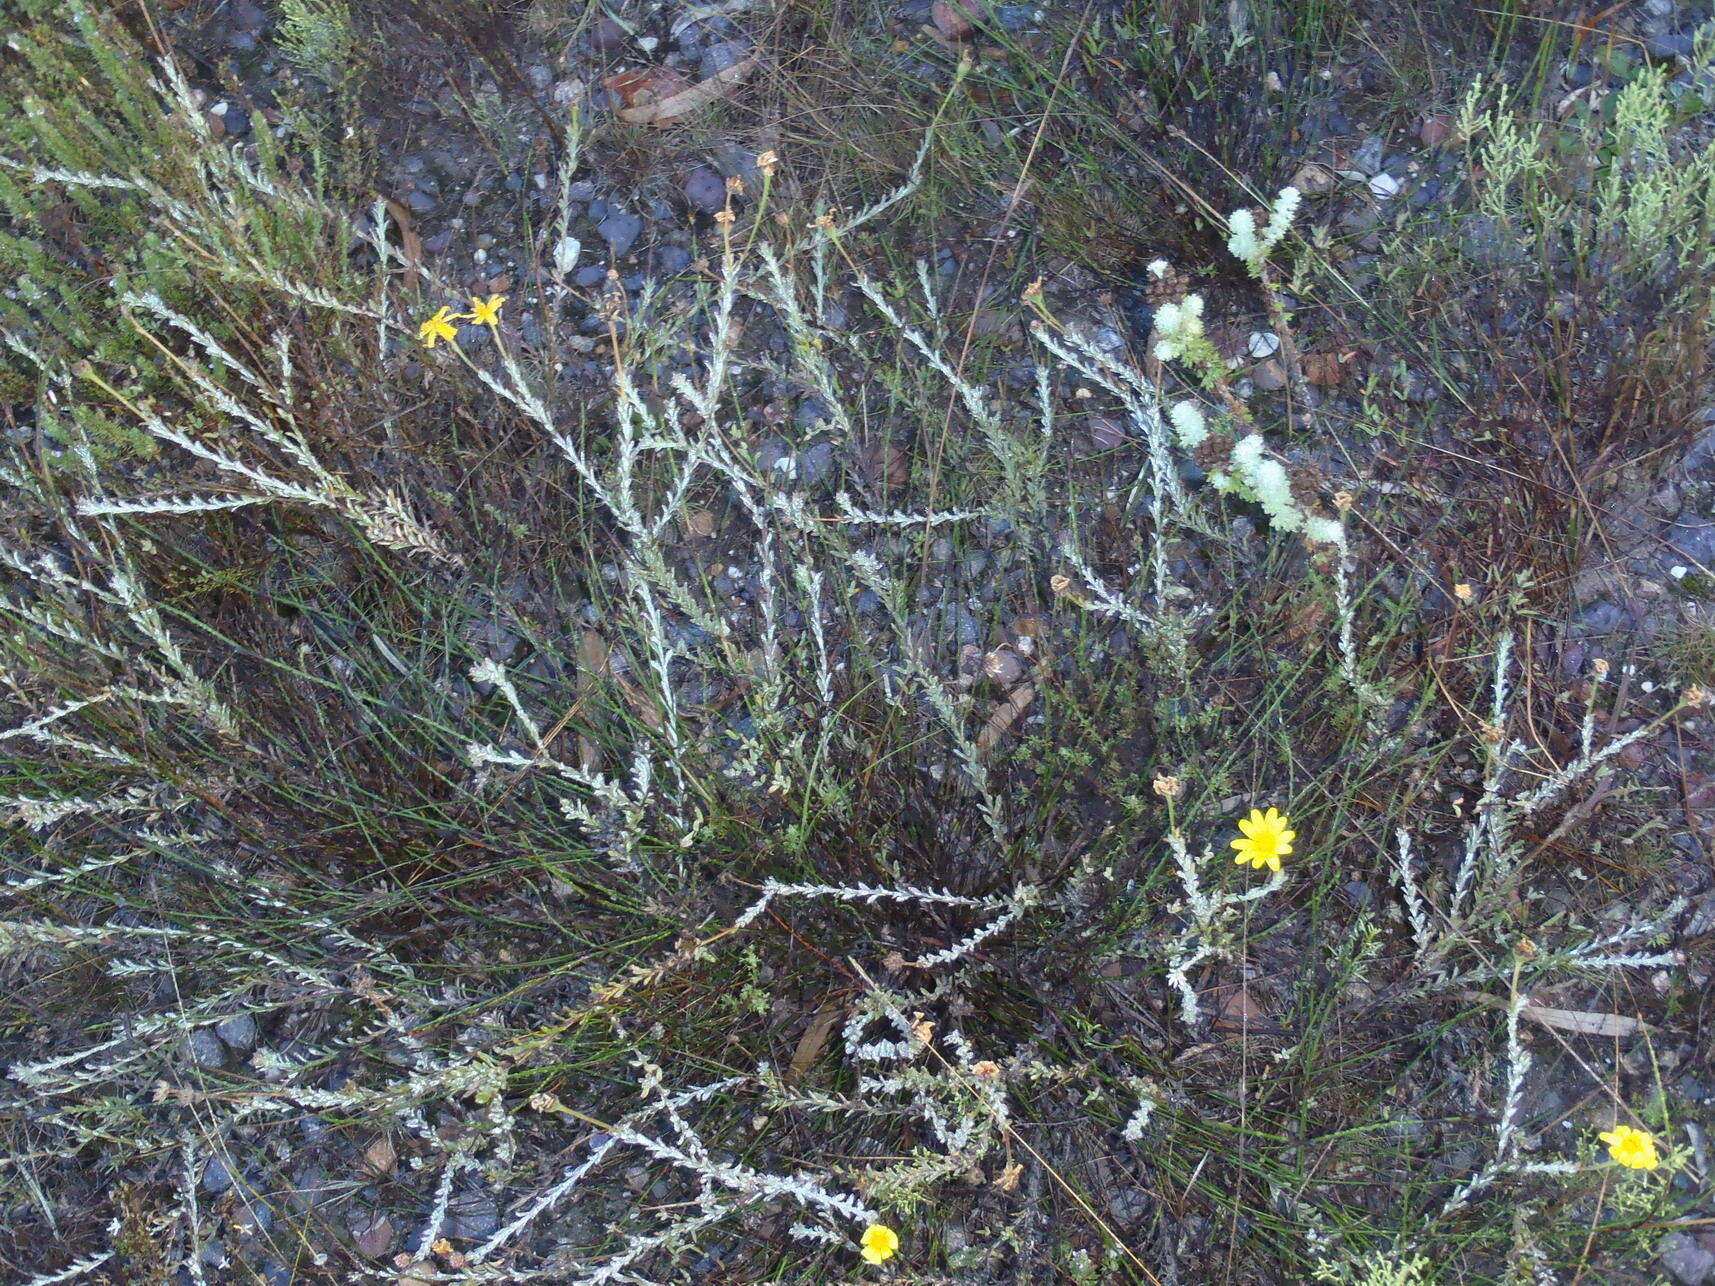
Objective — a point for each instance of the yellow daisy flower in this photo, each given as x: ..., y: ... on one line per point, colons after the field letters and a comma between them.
x: 1632, y: 1148
x: 1264, y: 840
x: 879, y: 1243
x: 486, y: 313
x: 438, y: 327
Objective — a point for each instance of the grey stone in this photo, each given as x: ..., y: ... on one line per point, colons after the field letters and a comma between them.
x: 1669, y: 44
x: 419, y: 201
x: 1601, y: 617
x: 1368, y: 157
x: 255, y: 1215
x: 704, y: 189
x: 620, y: 230
x: 239, y: 1032
x: 1684, y: 1260
x: 673, y: 260
x: 311, y: 1187
x: 718, y: 57
x: 216, y: 1178
x: 739, y: 162
x: 471, y: 1216
x: 966, y: 628
x: 773, y: 456
x: 815, y: 463
x: 809, y: 413
x: 589, y: 276
x: 1487, y: 244
x: 1692, y: 535
x: 497, y: 642
x: 204, y: 1049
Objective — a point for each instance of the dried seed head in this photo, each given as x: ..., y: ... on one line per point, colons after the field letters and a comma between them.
x: 1167, y: 787
x: 1696, y: 697
x: 1600, y: 666
x: 1463, y: 592
x: 1344, y: 500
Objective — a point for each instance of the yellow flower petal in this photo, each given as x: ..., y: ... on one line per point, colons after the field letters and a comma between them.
x: 879, y: 1243
x: 486, y: 312
x: 1631, y: 1147
x: 437, y: 328
x: 1265, y: 838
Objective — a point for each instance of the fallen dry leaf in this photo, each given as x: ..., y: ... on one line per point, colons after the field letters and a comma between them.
x: 411, y: 244
x: 1234, y: 1007
x: 954, y: 19
x: 646, y: 86
x: 376, y: 1239
x: 1004, y: 715
x: 1583, y: 1022
x: 1586, y: 1022
x: 379, y: 1157
x: 666, y: 109
x: 811, y: 1044
x: 1327, y: 369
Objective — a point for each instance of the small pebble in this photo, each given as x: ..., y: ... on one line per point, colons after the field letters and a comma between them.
x: 1269, y: 376
x: 607, y: 36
